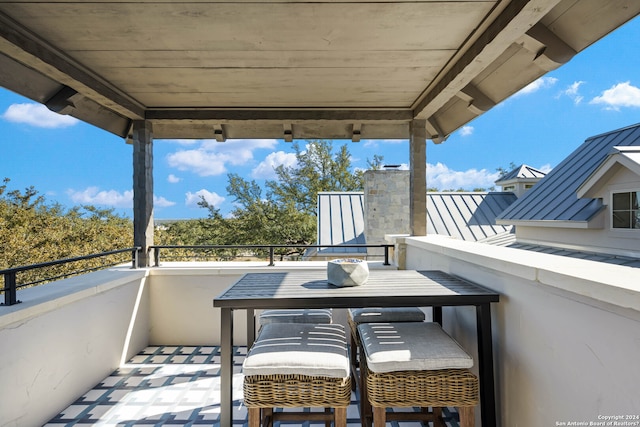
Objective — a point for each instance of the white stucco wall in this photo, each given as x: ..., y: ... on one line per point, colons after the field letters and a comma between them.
x: 566, y: 331
x: 64, y: 338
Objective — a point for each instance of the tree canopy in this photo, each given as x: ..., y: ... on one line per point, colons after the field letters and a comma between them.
x: 33, y: 231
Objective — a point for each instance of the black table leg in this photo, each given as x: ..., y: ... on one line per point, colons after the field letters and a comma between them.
x: 226, y: 367
x: 485, y: 356
x: 437, y: 314
x: 251, y: 327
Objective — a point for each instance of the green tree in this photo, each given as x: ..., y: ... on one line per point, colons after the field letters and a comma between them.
x: 504, y: 171
x: 33, y: 231
x: 257, y: 220
x: 286, y: 212
x: 318, y: 168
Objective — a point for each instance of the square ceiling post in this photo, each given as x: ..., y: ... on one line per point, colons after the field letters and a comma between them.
x: 143, y: 189
x: 418, y: 178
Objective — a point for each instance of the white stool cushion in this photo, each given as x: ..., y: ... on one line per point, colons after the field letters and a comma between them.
x: 390, y: 314
x: 308, y: 315
x: 299, y: 348
x: 411, y: 346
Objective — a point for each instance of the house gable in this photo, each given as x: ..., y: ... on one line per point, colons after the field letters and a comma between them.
x: 554, y: 201
x: 620, y: 159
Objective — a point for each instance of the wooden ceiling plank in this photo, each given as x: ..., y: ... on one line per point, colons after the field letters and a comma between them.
x: 26, y: 48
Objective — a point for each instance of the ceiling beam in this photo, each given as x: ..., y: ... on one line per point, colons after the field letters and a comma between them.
x: 288, y: 116
x: 508, y: 27
x: 219, y: 133
x: 434, y: 131
x: 288, y: 132
x: 356, y: 132
x: 477, y: 101
x: 550, y: 50
x: 25, y: 47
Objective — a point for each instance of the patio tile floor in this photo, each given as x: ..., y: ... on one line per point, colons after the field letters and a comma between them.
x: 174, y: 386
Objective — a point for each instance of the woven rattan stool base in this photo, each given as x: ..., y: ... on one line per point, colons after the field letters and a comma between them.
x: 435, y: 389
x: 262, y: 393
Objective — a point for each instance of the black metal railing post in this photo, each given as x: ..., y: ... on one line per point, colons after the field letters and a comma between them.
x: 156, y: 256
x: 10, y: 294
x: 271, y: 261
x: 386, y: 255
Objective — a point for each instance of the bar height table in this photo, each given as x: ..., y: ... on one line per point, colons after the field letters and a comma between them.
x: 385, y: 288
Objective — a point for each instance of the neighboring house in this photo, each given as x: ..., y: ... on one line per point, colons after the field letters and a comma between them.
x: 588, y: 204
x: 520, y: 180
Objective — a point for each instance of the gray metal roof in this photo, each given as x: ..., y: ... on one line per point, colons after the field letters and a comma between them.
x: 591, y: 256
x: 341, y: 221
x: 467, y: 216
x: 554, y: 198
x: 522, y: 172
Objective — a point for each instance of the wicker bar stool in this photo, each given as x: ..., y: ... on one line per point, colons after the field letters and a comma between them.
x: 303, y: 315
x: 297, y: 365
x: 356, y: 316
x: 415, y: 364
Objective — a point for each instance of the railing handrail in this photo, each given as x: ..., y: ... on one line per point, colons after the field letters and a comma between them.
x: 9, y: 274
x: 10, y: 286
x: 271, y: 248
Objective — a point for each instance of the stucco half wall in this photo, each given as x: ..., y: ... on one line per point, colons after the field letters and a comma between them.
x: 566, y: 331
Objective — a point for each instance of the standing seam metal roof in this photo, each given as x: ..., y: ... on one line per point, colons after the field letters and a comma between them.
x: 554, y: 198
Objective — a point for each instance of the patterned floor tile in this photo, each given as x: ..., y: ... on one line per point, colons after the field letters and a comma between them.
x: 175, y: 386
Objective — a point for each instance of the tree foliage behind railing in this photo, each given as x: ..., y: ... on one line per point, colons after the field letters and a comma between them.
x: 33, y: 231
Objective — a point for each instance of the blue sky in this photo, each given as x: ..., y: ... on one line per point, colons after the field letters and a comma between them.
x: 73, y: 163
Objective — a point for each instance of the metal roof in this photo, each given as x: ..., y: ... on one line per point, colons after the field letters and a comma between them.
x: 522, y: 172
x: 292, y: 69
x: 591, y: 256
x: 341, y: 221
x: 554, y: 199
x: 466, y: 216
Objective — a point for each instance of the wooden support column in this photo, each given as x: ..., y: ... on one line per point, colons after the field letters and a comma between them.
x: 418, y: 178
x: 143, y: 189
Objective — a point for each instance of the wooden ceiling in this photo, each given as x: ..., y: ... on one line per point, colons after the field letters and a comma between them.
x: 290, y: 69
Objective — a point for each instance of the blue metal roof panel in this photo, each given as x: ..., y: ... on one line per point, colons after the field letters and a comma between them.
x: 554, y: 198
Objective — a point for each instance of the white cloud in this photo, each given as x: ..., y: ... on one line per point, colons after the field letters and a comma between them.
x: 212, y: 157
x: 37, y: 115
x: 541, y: 83
x: 95, y: 196
x: 443, y: 178
x: 161, y: 202
x: 173, y: 179
x: 546, y: 168
x: 192, y: 199
x: 572, y: 91
x: 112, y: 198
x: 466, y: 130
x: 198, y: 161
x: 266, y: 168
x: 620, y: 95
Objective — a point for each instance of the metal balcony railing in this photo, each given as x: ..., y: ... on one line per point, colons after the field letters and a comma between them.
x: 9, y: 275
x: 264, y: 251
x: 271, y: 250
